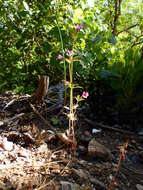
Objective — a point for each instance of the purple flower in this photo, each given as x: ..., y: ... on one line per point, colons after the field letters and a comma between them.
x: 79, y: 27
x: 60, y: 57
x: 85, y: 94
x: 69, y: 53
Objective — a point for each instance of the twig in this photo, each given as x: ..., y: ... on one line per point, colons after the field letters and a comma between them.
x: 126, y: 29
x: 137, y: 43
x: 100, y: 125
x: 7, y: 121
x: 131, y: 135
x: 43, y: 119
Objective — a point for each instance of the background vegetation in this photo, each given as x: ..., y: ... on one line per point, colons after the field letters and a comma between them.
x: 109, y: 49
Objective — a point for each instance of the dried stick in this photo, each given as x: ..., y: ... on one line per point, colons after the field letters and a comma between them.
x: 42, y: 118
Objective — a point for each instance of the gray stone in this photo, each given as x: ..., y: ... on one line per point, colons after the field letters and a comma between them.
x: 66, y: 185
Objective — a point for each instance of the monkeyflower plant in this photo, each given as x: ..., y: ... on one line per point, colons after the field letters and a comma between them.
x: 72, y: 106
x: 60, y: 57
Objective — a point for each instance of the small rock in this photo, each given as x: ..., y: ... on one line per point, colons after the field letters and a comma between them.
x: 94, y: 130
x: 6, y: 145
x: 98, y: 183
x: 43, y: 148
x: 139, y: 187
x: 23, y: 153
x: 140, y: 148
x: 82, y: 149
x: 133, y: 141
x: 1, y: 123
x: 97, y: 150
x: 66, y: 185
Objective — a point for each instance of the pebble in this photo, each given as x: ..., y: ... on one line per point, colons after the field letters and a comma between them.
x: 139, y: 187
x: 94, y: 131
x: 133, y: 141
x: 66, y: 185
x: 140, y: 148
x: 1, y: 123
x: 7, y: 145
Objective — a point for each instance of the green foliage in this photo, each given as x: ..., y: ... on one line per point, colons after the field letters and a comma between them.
x: 109, y: 47
x: 125, y: 77
x: 54, y: 120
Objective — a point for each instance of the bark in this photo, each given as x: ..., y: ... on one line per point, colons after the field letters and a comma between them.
x: 127, y: 29
x: 117, y: 13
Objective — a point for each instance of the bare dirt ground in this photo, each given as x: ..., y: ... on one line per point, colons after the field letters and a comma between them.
x: 32, y: 157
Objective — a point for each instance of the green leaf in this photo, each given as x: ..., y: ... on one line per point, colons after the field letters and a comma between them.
x: 54, y: 120
x: 26, y: 6
x: 112, y: 39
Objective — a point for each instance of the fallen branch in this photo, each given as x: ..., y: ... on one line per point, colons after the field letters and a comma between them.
x: 43, y: 119
x: 106, y: 127
x: 102, y: 126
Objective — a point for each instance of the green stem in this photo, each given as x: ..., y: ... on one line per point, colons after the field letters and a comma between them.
x: 62, y: 50
x: 61, y: 39
x: 71, y: 123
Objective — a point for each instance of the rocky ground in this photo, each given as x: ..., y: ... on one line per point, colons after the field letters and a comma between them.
x: 32, y: 156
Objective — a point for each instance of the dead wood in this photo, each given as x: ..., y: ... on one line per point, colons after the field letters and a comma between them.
x: 130, y: 134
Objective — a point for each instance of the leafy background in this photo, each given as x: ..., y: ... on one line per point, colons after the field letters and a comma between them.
x: 109, y: 48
